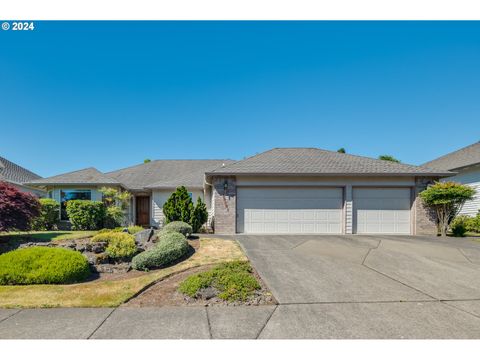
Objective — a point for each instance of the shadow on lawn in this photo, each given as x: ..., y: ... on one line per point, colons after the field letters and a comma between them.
x: 9, y: 242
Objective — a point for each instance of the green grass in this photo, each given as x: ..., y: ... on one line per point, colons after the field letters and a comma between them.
x: 46, y: 236
x: 234, y: 281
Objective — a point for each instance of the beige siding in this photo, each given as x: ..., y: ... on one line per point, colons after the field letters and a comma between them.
x: 470, y: 177
x: 159, y: 197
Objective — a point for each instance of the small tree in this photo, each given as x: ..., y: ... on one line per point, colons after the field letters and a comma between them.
x: 179, y: 206
x: 341, y: 150
x: 388, y: 158
x: 199, y: 215
x: 446, y: 199
x: 146, y: 161
x: 116, y: 202
x: 17, y: 208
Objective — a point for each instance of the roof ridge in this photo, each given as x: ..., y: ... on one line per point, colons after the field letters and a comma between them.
x: 452, y: 152
x: 159, y: 160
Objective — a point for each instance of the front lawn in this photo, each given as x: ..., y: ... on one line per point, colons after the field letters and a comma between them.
x: 108, y: 293
x: 45, y: 236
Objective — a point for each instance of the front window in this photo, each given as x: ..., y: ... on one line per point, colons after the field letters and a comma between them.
x: 67, y: 195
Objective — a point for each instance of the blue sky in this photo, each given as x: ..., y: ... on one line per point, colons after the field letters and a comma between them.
x: 110, y: 94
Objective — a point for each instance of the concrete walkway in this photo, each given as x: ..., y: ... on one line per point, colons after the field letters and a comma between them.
x: 327, y: 287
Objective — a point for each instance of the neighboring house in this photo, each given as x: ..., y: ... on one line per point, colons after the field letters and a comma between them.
x: 466, y: 164
x: 280, y: 191
x: 16, y: 175
x: 150, y: 184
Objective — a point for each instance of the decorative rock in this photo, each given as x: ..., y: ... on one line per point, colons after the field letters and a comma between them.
x: 207, y: 293
x: 142, y: 238
x: 98, y: 247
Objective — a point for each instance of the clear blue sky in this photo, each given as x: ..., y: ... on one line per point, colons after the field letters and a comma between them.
x: 110, y: 94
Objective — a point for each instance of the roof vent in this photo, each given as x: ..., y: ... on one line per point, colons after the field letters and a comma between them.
x: 223, y: 165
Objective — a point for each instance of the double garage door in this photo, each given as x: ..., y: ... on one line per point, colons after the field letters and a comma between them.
x: 315, y: 210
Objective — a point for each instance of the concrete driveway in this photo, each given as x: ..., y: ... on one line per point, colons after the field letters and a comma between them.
x: 369, y: 286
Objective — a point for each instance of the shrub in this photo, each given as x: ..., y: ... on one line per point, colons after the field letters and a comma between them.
x: 121, y: 246
x: 178, y: 206
x: 388, y: 158
x: 86, y: 214
x: 474, y: 224
x: 17, y: 209
x: 459, y: 225
x: 130, y: 229
x: 234, y: 280
x: 199, y: 215
x: 42, y: 265
x: 446, y: 199
x: 170, y: 247
x: 49, y: 215
x: 114, y: 217
x: 178, y: 226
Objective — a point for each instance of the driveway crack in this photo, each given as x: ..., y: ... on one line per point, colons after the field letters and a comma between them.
x: 266, y: 322
x: 103, y: 321
x: 9, y: 316
x: 208, y: 323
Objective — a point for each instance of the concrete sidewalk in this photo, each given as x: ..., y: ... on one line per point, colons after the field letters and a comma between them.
x: 379, y: 320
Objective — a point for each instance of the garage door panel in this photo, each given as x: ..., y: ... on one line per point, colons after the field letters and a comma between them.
x: 382, y: 210
x: 289, y: 210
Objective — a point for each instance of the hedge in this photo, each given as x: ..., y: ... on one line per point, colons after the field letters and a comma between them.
x: 49, y: 215
x: 170, y: 247
x: 86, y: 214
x: 42, y: 265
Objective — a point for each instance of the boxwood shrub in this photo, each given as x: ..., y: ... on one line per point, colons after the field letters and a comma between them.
x: 86, y: 214
x: 49, y: 214
x: 178, y: 226
x: 42, y: 265
x: 171, y: 246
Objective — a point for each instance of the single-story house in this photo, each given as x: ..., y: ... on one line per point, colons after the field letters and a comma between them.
x: 466, y: 164
x: 280, y: 191
x: 17, y: 176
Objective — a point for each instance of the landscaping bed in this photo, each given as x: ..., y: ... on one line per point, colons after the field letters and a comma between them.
x: 167, y: 292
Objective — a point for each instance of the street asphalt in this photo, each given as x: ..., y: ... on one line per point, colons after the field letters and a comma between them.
x: 327, y: 287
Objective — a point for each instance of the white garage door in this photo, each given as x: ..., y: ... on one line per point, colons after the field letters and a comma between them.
x: 289, y: 210
x: 381, y: 210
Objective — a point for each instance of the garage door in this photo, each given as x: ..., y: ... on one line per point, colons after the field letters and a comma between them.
x: 381, y: 210
x: 289, y: 210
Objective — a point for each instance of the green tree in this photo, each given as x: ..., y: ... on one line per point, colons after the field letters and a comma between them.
x: 116, y: 203
x: 179, y: 206
x: 341, y: 150
x: 146, y: 161
x: 49, y: 215
x: 388, y: 158
x: 199, y: 215
x: 446, y: 200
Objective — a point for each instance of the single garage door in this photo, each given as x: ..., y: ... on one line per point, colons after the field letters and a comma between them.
x: 289, y: 210
x: 381, y: 210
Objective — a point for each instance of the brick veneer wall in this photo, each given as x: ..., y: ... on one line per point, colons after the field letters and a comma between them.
x: 425, y: 219
x: 225, y: 204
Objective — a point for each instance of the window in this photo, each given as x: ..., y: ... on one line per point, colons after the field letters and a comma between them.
x: 191, y: 195
x: 66, y: 195
x: 50, y: 194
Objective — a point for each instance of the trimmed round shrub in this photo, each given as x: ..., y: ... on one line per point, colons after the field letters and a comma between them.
x: 178, y: 226
x: 42, y: 265
x: 170, y: 247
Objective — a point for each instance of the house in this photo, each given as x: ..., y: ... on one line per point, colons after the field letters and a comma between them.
x: 466, y: 164
x: 280, y: 191
x: 150, y: 184
x: 17, y: 176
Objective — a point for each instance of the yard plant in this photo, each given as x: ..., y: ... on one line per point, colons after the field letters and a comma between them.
x: 171, y: 247
x: 178, y: 226
x: 86, y: 214
x: 49, y: 215
x: 120, y: 245
x: 42, y: 265
x: 179, y: 207
x: 234, y: 281
x: 446, y: 199
x: 17, y: 209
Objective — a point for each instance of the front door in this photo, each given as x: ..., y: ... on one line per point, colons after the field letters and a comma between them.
x: 143, y: 210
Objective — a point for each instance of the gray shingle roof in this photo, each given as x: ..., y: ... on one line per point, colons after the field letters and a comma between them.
x: 88, y: 176
x: 14, y: 173
x: 469, y: 155
x: 313, y: 161
x: 166, y: 173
